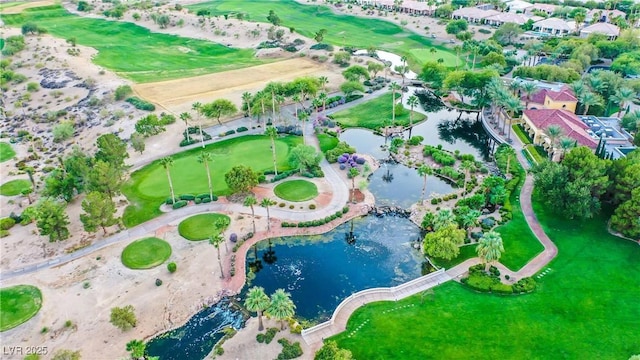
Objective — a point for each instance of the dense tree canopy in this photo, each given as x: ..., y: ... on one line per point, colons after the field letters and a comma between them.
x: 241, y: 179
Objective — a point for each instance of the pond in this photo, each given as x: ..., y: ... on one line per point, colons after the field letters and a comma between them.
x: 198, y: 336
x: 399, y: 185
x: 320, y: 271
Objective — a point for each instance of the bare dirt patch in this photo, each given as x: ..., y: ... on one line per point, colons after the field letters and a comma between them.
x: 178, y: 95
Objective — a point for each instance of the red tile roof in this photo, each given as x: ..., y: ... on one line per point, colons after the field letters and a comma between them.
x: 539, y: 98
x: 571, y: 125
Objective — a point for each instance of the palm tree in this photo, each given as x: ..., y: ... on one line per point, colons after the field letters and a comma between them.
x: 216, y: 240
x: 424, y: 171
x: 205, y: 158
x: 457, y: 49
x: 470, y: 219
x: 272, y: 132
x: 514, y: 86
x: 621, y: 97
x: 250, y: 201
x: 323, y: 81
x: 513, y: 106
x: 412, y: 101
x: 393, y: 87
x: 280, y: 100
x: 353, y: 172
x: 185, y: 116
x: 167, y: 163
x: 304, y: 116
x: 588, y: 99
x: 443, y: 218
x: 282, y: 307
x: 529, y: 89
x: 579, y: 19
x: 257, y: 301
x: 553, y: 132
x: 197, y: 107
x: 323, y: 97
x: 490, y: 248
x: 467, y: 166
x: 265, y: 203
x: 246, y: 100
x: 565, y: 144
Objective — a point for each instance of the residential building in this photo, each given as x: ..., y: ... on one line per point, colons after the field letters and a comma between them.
x: 609, y: 30
x: 553, y: 26
x: 617, y: 140
x: 548, y: 9
x: 406, y: 6
x: 473, y: 14
x: 508, y: 17
x: 600, y: 15
x: 536, y: 123
x: 562, y: 99
x: 518, y: 6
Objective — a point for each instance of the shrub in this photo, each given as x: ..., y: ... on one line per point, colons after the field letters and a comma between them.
x: 4, y: 233
x: 158, y: 282
x: 7, y: 223
x: 169, y: 201
x: 141, y: 104
x: 484, y: 31
x: 230, y: 132
x: 340, y: 149
x: 187, y: 197
x: 270, y: 334
x: 241, y: 129
x: 345, y: 209
x: 312, y: 206
x: 524, y: 285
x: 260, y: 338
x: 172, y: 267
x: 281, y: 205
x: 122, y: 92
x: 179, y: 204
x: 289, y: 350
x: 233, y: 237
x: 415, y: 140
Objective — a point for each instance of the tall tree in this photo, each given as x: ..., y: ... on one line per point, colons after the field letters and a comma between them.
x: 185, y: 116
x: 424, y: 170
x: 444, y: 218
x: 282, y: 307
x: 490, y: 248
x: 257, y: 301
x: 513, y: 106
x: 589, y: 99
x: 123, y: 318
x: 52, y: 219
x: 216, y: 240
x: 137, y: 142
x: 265, y: 203
x: 626, y: 219
x: 622, y: 97
x: 553, y: 132
x: 374, y: 68
x: 353, y: 173
x: 565, y: 144
x: 323, y: 81
x: 394, y: 87
x: 167, y: 163
x: 106, y: 178
x: 246, y: 102
x: 99, y: 210
x: 250, y: 201
x: 469, y: 219
x: 241, y: 179
x: 528, y: 89
x: 304, y: 157
x: 197, y: 107
x: 111, y: 149
x: 304, y: 116
x: 467, y: 166
x: 272, y: 133
x: 205, y: 158
x: 412, y: 101
x: 218, y: 108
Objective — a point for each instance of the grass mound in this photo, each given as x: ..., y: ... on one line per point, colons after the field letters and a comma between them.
x: 202, y: 226
x: 327, y: 142
x: 296, y: 190
x: 6, y: 152
x: 19, y: 303
x: 146, y: 253
x: 158, y: 56
x: 149, y: 187
x: 14, y: 187
x: 374, y: 114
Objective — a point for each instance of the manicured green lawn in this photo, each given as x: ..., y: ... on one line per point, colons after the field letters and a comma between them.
x: 201, y: 226
x: 425, y: 55
x: 146, y: 253
x: 374, y: 114
x: 342, y: 30
x: 327, y: 142
x: 18, y: 303
x: 149, y: 187
x: 466, y: 252
x: 586, y: 306
x: 14, y: 187
x: 6, y: 152
x: 296, y: 190
x: 157, y: 56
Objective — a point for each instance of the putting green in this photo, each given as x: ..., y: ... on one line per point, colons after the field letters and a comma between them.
x: 19, y: 303
x: 14, y: 187
x: 6, y: 152
x: 296, y: 190
x: 146, y: 253
x: 202, y: 226
x: 149, y: 186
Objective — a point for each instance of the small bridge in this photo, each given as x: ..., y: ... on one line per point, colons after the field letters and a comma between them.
x: 338, y: 322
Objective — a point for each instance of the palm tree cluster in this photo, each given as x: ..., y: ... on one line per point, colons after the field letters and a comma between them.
x: 204, y: 158
x: 280, y: 305
x: 503, y: 99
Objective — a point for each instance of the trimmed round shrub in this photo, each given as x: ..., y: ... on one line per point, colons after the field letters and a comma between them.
x: 158, y: 282
x: 233, y: 237
x: 172, y: 267
x: 180, y: 204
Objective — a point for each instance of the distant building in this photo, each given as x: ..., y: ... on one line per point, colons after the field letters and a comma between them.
x: 473, y: 14
x: 406, y: 6
x: 518, y: 6
x: 617, y: 141
x: 609, y: 30
x: 503, y: 18
x: 553, y: 26
x: 601, y: 15
x: 536, y: 123
x: 548, y: 9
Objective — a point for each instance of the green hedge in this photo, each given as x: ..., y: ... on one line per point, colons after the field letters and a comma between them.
x: 180, y: 204
x: 318, y: 222
x: 141, y: 104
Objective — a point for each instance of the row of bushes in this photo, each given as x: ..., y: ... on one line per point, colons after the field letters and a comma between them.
x: 190, y: 140
x: 232, y: 272
x: 289, y: 350
x: 246, y: 237
x: 449, y: 172
x: 141, y: 104
x: 184, y: 199
x: 439, y: 156
x: 447, y: 197
x: 267, y: 337
x: 415, y: 140
x: 481, y: 281
x: 318, y: 222
x: 340, y: 149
